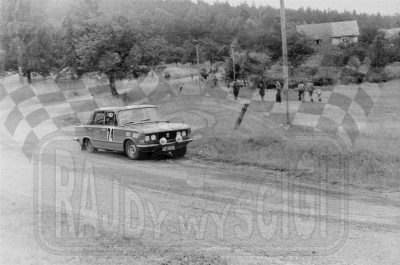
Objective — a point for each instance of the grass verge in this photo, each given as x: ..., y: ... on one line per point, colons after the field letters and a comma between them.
x: 310, y: 161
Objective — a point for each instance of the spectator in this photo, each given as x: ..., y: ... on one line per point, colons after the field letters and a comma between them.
x: 301, y: 88
x: 318, y: 92
x: 310, y: 89
x: 236, y: 89
x: 261, y: 87
x: 278, y: 91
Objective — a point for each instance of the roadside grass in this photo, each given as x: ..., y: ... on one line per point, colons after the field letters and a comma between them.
x: 373, y: 164
x: 247, y: 91
x: 305, y: 161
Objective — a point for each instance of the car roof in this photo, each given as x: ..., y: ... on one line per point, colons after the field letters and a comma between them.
x: 125, y: 108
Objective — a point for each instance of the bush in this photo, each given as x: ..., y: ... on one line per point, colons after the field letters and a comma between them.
x: 334, y: 57
x: 305, y: 71
x: 299, y: 48
x: 351, y: 75
x: 323, y: 81
x: 376, y: 76
x: 348, y: 80
x: 354, y: 50
x: 392, y: 71
x: 327, y: 76
x: 354, y: 62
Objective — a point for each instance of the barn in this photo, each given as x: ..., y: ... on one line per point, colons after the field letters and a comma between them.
x: 331, y: 33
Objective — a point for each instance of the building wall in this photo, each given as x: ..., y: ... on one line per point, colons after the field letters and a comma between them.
x: 338, y: 40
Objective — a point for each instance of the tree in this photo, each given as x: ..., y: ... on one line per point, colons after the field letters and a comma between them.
x: 154, y: 50
x: 228, y: 66
x: 112, y: 47
x: 299, y: 48
x: 30, y: 38
x: 68, y: 42
x: 213, y: 52
x: 380, y: 48
x: 368, y: 34
x: 174, y: 54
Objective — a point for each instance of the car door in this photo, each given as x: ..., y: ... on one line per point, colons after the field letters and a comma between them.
x: 98, y: 130
x: 111, y: 127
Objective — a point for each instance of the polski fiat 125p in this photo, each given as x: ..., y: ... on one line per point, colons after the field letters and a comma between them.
x: 135, y: 130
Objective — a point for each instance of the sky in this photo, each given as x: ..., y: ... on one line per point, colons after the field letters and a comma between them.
x: 385, y: 7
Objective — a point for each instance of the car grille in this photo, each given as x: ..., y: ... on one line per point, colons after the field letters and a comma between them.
x: 170, y: 136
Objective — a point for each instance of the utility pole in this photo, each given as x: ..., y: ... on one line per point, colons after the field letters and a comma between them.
x: 285, y: 59
x: 233, y: 45
x: 196, y: 42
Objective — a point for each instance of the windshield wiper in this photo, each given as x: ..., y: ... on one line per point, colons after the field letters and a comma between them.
x: 138, y: 122
x: 130, y: 122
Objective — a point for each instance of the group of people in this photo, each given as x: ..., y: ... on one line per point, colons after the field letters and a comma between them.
x: 301, y: 90
x: 309, y: 87
x: 278, y: 88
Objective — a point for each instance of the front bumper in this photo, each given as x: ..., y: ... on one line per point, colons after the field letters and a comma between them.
x: 159, y: 147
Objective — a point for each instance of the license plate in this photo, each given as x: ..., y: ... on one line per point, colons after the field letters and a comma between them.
x: 168, y: 148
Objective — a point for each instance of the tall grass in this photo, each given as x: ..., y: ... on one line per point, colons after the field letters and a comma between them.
x: 303, y: 160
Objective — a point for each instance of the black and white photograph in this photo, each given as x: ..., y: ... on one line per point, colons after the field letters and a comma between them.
x: 199, y: 132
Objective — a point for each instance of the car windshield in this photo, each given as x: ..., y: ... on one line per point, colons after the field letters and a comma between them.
x: 139, y: 115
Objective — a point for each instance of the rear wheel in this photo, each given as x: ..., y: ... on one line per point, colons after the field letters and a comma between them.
x: 89, y: 146
x: 131, y: 150
x: 179, y: 152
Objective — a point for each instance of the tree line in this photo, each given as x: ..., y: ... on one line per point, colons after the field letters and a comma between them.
x: 125, y: 38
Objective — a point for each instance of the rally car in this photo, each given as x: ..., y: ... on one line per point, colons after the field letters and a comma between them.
x: 135, y: 130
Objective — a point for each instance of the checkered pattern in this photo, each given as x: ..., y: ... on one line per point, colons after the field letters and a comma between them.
x: 342, y: 111
x: 31, y: 111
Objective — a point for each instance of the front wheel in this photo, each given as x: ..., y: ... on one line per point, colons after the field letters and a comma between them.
x: 89, y: 146
x: 131, y: 150
x: 179, y: 152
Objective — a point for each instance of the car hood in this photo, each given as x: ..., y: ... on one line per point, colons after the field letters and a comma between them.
x: 156, y: 127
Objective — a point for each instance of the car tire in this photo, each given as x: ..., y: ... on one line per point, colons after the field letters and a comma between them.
x: 179, y: 152
x: 89, y: 146
x: 131, y: 151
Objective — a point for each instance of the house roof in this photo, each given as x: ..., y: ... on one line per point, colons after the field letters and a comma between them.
x: 345, y: 28
x: 316, y: 31
x: 391, y: 32
x: 331, y: 30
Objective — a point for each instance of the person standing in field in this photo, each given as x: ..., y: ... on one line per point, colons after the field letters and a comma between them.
x: 236, y: 89
x: 278, y: 91
x: 301, y: 88
x: 318, y: 92
x: 310, y: 89
x: 215, y: 81
x: 261, y: 88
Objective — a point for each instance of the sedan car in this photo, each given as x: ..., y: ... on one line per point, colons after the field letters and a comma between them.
x: 135, y: 130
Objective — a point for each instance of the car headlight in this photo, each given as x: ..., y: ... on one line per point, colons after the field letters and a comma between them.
x: 179, y: 138
x: 147, y: 138
x: 153, y: 137
x: 178, y: 133
x: 184, y: 134
x: 163, y: 141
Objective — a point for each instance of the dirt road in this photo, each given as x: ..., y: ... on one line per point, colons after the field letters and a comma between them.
x: 70, y: 207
